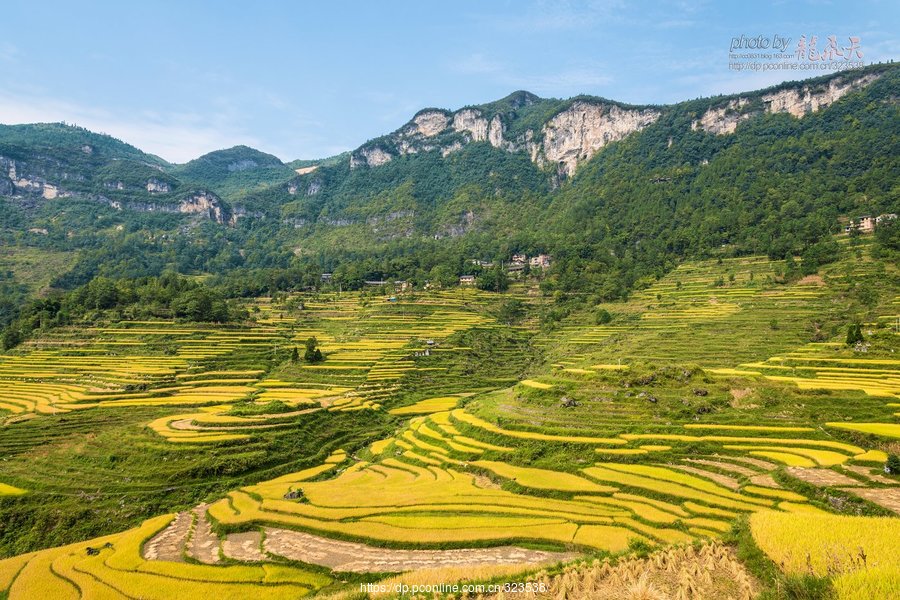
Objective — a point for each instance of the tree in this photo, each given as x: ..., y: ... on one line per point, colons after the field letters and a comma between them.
x: 892, y: 466
x: 295, y: 356
x: 511, y: 311
x: 312, y: 353
x: 854, y: 334
x: 494, y: 280
x: 603, y: 317
x: 12, y: 337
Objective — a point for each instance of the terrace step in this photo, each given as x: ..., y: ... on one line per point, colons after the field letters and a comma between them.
x: 203, y: 545
x: 169, y: 543
x: 361, y: 558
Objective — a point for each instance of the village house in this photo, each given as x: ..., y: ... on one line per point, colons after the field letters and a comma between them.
x: 401, y: 286
x: 867, y: 223
x: 467, y: 280
x: 541, y: 261
x: 327, y: 276
x: 519, y: 259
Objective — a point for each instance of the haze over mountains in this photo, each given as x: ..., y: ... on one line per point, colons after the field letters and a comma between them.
x: 631, y: 189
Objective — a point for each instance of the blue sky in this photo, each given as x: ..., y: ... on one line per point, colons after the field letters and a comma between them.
x: 310, y: 79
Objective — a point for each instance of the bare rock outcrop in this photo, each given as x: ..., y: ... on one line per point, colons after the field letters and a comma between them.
x: 203, y: 203
x: 723, y: 119
x: 471, y: 121
x: 797, y: 101
x: 577, y: 133
x: 806, y: 99
x: 370, y: 157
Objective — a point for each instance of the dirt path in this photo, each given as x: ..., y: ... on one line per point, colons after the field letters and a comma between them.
x: 168, y: 544
x: 360, y: 558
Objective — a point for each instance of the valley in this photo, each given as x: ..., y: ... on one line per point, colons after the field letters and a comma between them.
x: 184, y: 458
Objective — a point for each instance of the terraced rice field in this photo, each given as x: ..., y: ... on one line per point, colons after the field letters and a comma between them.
x: 860, y: 553
x: 484, y: 452
x: 167, y: 364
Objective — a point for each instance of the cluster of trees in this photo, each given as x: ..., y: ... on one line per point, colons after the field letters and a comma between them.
x: 169, y: 295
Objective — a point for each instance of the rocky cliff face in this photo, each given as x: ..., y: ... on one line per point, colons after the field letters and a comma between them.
x: 572, y: 136
x: 24, y: 182
x: 576, y: 134
x: 155, y: 186
x: 723, y: 119
x: 203, y: 203
x: 797, y: 101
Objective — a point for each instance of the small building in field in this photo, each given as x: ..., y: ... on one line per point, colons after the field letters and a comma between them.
x: 402, y: 286
x: 327, y: 276
x: 467, y: 280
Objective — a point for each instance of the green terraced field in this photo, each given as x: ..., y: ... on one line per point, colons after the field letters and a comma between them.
x: 430, y: 425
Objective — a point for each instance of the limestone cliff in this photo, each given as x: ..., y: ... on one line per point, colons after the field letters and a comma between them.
x: 203, y: 203
x: 570, y: 137
x: 575, y: 134
x: 796, y: 100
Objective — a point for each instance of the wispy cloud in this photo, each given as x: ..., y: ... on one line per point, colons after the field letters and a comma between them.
x: 548, y: 16
x: 567, y: 80
x: 477, y: 63
x: 177, y: 137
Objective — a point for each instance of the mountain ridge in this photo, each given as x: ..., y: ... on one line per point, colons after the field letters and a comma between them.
x: 615, y: 192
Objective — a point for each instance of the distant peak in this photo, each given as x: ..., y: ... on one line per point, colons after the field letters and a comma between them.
x: 521, y: 98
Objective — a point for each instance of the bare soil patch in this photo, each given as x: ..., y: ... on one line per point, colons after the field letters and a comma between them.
x: 812, y: 280
x: 725, y: 466
x: 723, y: 480
x: 203, y: 544
x: 245, y: 546
x: 889, y: 498
x: 169, y: 543
x: 764, y: 481
x: 867, y: 473
x: 359, y: 558
x: 822, y: 477
x: 760, y: 464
